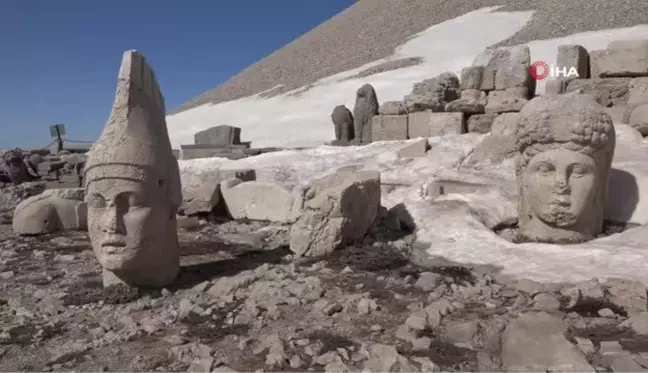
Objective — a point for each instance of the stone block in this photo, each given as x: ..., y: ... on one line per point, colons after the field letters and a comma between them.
x: 471, y: 77
x: 574, y: 56
x: 202, y: 194
x: 339, y: 209
x: 555, y: 86
x: 218, y: 135
x: 509, y: 100
x: 415, y: 148
x: 488, y: 80
x: 621, y: 59
x: 608, y: 91
x: 481, y: 123
x: 389, y: 128
x: 54, y: 210
x: 514, y: 72
x: 427, y: 124
x: 263, y: 201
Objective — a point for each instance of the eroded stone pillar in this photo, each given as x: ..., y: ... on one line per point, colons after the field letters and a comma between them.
x: 133, y: 184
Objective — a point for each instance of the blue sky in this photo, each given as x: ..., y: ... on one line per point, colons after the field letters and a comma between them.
x: 60, y: 58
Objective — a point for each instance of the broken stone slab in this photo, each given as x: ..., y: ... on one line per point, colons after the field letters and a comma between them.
x: 481, y: 123
x: 338, y: 210
x: 575, y: 56
x: 392, y: 108
x: 415, y: 148
x: 509, y: 100
x: 218, y: 135
x: 625, y: 58
x: 607, y: 91
x: 471, y: 77
x: 628, y: 295
x: 264, y: 201
x: 535, y: 342
x: 389, y: 127
x: 428, y: 124
x: 472, y: 101
x: 203, y: 196
x: 51, y: 211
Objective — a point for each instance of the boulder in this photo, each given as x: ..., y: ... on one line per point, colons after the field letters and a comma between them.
x: 506, y: 101
x: 392, y: 108
x: 481, y: 123
x: 203, y: 196
x: 257, y: 200
x: 472, y: 101
x: 51, y: 211
x: 338, y: 210
x: 12, y: 195
x: 433, y: 94
x: 535, y: 342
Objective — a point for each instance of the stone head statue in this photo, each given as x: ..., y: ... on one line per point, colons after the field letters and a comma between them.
x: 566, y: 145
x: 133, y: 184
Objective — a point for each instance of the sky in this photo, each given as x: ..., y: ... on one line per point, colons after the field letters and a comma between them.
x: 60, y: 58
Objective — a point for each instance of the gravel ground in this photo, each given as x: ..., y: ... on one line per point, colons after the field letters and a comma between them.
x: 370, y: 30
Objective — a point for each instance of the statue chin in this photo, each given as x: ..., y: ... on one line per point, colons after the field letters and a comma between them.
x: 559, y: 219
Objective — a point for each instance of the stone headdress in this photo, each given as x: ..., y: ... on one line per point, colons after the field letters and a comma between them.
x: 573, y: 121
x: 134, y: 144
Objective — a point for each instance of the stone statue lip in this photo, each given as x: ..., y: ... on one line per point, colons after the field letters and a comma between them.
x: 113, y: 242
x: 561, y: 202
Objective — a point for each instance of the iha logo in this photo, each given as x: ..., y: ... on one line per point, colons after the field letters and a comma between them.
x: 540, y: 70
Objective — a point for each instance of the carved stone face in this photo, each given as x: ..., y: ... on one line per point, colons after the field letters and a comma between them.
x: 560, y: 186
x: 127, y: 223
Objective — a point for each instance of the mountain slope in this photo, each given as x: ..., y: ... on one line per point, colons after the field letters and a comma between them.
x: 370, y: 30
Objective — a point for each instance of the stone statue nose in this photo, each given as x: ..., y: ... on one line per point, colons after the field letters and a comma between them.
x: 110, y: 220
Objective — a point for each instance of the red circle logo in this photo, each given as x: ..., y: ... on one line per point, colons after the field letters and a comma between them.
x: 539, y: 70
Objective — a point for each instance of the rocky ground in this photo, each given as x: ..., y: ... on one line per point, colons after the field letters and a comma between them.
x: 242, y: 303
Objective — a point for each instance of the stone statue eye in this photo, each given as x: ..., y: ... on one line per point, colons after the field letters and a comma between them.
x: 579, y: 170
x: 96, y: 201
x: 544, y: 167
x: 135, y: 201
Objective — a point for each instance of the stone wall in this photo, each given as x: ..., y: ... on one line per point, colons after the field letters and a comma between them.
x: 616, y: 76
x: 498, y: 83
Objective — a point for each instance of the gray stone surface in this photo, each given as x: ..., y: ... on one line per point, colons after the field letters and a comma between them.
x: 481, y: 123
x: 575, y: 56
x: 389, y: 127
x: 427, y: 124
x: 218, y: 135
x: 621, y: 59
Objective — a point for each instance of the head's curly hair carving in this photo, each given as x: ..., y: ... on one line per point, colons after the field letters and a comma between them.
x: 572, y: 121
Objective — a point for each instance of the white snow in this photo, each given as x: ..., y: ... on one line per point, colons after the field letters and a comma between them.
x: 454, y: 226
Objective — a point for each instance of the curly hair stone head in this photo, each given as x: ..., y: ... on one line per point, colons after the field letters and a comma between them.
x: 573, y: 121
